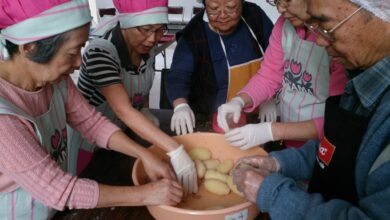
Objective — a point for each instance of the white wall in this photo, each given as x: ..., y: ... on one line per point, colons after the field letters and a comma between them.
x: 270, y: 10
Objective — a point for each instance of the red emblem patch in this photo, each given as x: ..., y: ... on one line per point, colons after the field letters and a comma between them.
x: 325, y: 151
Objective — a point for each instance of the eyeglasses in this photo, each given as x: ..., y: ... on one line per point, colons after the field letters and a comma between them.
x: 147, y: 32
x: 327, y: 34
x: 227, y: 11
x: 277, y: 2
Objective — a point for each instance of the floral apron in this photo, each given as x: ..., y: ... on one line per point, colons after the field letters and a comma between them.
x: 305, y: 85
x: 51, y: 131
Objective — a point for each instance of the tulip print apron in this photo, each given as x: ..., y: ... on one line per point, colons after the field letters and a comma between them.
x: 305, y: 85
x: 239, y: 76
x: 51, y: 132
x: 137, y: 87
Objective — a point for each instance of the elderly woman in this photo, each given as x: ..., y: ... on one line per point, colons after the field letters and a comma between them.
x: 216, y: 54
x: 300, y: 74
x: 117, y: 73
x: 349, y: 169
x: 38, y: 99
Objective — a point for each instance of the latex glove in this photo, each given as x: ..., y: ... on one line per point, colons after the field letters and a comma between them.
x: 250, y: 135
x: 267, y: 163
x: 267, y: 111
x: 150, y: 116
x: 185, y: 169
x: 231, y: 109
x: 183, y: 119
x: 248, y: 181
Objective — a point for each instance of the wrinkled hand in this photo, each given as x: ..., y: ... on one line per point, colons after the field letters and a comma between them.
x: 156, y: 168
x: 231, y: 109
x: 267, y: 163
x: 161, y: 192
x: 250, y: 135
x: 183, y: 119
x: 248, y: 181
x: 185, y: 169
x: 150, y: 116
x: 268, y: 111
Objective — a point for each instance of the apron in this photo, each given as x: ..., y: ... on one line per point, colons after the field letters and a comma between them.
x: 239, y: 76
x: 305, y: 85
x: 51, y: 131
x: 137, y: 87
x: 334, y: 172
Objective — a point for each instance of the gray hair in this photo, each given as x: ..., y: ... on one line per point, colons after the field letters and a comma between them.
x: 44, y: 51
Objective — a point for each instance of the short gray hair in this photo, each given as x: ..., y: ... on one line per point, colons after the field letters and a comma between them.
x: 44, y: 51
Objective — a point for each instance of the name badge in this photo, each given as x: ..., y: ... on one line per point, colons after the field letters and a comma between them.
x: 325, y: 152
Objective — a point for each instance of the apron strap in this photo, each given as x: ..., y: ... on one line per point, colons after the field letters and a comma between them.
x: 8, y: 108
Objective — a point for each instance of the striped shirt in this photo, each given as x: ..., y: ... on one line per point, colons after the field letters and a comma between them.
x: 99, y: 68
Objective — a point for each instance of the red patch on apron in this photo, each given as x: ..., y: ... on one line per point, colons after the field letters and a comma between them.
x: 325, y: 151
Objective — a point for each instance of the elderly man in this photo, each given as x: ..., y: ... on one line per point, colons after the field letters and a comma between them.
x: 349, y: 170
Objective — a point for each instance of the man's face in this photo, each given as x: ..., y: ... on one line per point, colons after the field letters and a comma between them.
x: 350, y: 40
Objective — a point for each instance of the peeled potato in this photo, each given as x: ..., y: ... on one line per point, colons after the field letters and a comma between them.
x: 200, y: 153
x: 233, y: 187
x: 216, y: 187
x: 225, y: 166
x: 211, y: 164
x: 212, y: 174
x: 200, y: 168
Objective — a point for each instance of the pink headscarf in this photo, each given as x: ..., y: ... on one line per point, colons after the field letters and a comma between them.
x: 133, y: 6
x: 15, y: 11
x: 133, y: 13
x: 26, y: 21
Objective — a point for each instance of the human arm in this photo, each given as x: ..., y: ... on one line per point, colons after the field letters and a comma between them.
x: 270, y: 75
x: 26, y: 163
x: 251, y: 135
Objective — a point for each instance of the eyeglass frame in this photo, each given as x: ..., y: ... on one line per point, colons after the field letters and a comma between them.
x: 225, y: 11
x: 276, y: 3
x: 147, y: 32
x: 327, y: 33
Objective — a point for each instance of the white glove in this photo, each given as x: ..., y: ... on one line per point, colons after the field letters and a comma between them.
x: 185, y: 169
x: 150, y: 116
x: 183, y: 118
x: 250, y: 135
x: 267, y: 111
x: 229, y: 110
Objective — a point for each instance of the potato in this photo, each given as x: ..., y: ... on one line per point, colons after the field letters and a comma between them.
x: 200, y: 153
x: 233, y: 187
x: 212, y: 174
x: 225, y: 166
x: 211, y: 164
x: 200, y: 168
x: 216, y: 187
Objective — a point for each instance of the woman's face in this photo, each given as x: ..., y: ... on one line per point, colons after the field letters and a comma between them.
x: 142, y: 39
x: 67, y: 59
x: 294, y: 11
x: 224, y: 15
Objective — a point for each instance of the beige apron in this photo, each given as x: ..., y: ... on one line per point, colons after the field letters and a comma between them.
x: 239, y: 76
